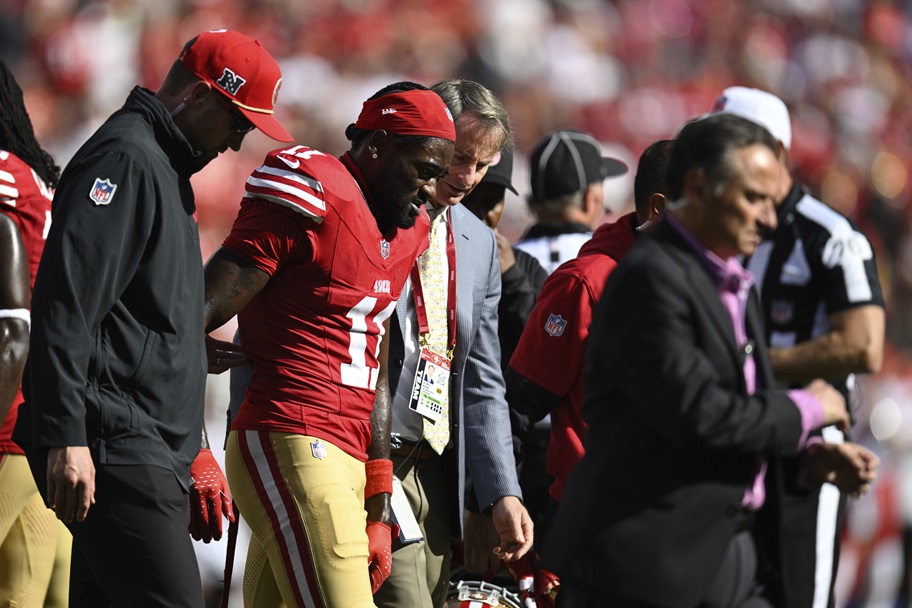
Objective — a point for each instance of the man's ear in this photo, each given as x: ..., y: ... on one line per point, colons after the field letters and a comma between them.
x: 594, y: 200
x: 378, y: 142
x: 657, y: 203
x: 782, y: 153
x: 492, y: 217
x: 200, y: 92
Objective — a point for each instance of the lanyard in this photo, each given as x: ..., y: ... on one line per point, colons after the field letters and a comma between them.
x: 420, y: 308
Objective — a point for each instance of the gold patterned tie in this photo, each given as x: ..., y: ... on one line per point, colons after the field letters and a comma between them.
x: 434, y: 286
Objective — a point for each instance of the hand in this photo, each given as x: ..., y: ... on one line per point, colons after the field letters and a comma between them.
x: 848, y: 466
x: 514, y: 526
x: 223, y: 355
x: 479, y: 539
x: 834, y: 404
x: 210, y: 498
x: 504, y: 252
x: 70, y: 482
x: 380, y: 549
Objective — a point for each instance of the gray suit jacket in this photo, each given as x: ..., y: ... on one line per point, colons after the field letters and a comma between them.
x: 478, y: 408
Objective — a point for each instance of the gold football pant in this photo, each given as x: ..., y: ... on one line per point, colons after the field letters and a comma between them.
x: 34, y: 544
x: 304, y: 501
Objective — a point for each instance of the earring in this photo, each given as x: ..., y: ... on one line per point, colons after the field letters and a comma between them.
x: 374, y: 156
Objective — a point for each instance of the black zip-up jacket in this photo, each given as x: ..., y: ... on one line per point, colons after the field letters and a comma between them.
x: 117, y: 356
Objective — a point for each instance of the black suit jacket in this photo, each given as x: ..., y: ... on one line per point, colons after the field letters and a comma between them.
x: 674, y: 438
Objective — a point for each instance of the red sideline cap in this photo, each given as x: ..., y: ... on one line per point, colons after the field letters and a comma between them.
x: 242, y: 70
x: 413, y: 112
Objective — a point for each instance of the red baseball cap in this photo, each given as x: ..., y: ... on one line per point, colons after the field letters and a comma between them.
x: 242, y: 70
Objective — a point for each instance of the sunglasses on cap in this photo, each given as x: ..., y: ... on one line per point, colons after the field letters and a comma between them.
x: 241, y: 124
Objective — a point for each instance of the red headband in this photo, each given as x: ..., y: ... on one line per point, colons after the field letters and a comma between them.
x: 416, y: 112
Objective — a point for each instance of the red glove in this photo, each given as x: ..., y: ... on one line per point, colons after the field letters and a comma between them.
x: 547, y: 586
x: 209, y: 498
x: 379, y: 546
x: 534, y: 581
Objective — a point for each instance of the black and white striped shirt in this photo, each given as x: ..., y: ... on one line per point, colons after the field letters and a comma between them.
x: 816, y: 263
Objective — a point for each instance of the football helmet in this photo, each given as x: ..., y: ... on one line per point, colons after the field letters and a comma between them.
x: 479, y: 594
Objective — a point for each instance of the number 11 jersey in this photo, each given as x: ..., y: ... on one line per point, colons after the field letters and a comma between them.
x: 312, y: 334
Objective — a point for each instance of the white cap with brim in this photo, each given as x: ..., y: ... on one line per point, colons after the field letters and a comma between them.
x: 760, y: 107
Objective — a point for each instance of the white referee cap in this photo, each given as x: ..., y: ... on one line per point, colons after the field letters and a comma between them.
x: 760, y: 107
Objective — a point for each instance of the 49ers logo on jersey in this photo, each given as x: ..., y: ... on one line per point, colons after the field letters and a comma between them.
x: 381, y: 286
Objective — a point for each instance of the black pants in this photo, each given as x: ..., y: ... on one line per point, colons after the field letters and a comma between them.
x: 133, y: 549
x: 735, y: 584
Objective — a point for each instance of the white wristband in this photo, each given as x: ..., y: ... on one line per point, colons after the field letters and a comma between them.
x: 17, y: 313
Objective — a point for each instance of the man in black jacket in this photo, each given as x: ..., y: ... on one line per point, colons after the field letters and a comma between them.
x: 683, y: 422
x: 113, y: 410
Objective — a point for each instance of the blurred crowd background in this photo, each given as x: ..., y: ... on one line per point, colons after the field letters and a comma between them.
x: 628, y: 71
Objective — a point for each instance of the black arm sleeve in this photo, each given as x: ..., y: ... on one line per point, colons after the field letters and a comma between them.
x: 521, y: 284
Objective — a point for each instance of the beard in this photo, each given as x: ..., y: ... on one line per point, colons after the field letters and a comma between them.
x: 391, y: 214
x: 394, y: 206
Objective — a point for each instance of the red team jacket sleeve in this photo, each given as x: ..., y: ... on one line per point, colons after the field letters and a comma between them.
x: 554, y: 341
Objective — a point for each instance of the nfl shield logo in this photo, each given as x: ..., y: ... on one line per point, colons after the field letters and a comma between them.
x: 318, y: 449
x: 384, y: 249
x: 781, y: 312
x: 555, y: 325
x: 102, y: 191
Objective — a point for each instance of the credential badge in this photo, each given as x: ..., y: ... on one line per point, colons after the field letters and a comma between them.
x: 102, y: 191
x: 555, y: 325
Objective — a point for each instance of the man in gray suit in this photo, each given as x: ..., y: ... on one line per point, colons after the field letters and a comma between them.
x: 474, y: 420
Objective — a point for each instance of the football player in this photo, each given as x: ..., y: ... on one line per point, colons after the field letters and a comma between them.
x: 314, y: 264
x: 30, y: 536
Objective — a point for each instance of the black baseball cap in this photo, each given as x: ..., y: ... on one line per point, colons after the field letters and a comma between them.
x: 500, y: 171
x: 565, y: 162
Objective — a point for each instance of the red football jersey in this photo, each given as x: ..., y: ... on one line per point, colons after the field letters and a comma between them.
x: 313, y: 333
x: 27, y: 200
x: 552, y: 348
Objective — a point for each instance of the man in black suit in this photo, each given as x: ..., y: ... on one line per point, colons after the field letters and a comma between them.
x: 683, y: 424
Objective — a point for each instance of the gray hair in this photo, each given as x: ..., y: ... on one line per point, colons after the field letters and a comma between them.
x: 462, y: 96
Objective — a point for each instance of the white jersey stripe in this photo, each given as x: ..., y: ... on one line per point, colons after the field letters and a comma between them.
x: 827, y: 517
x: 275, y: 500
x: 8, y: 189
x: 302, y: 195
x: 854, y: 248
x: 292, y: 176
x: 286, y: 203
